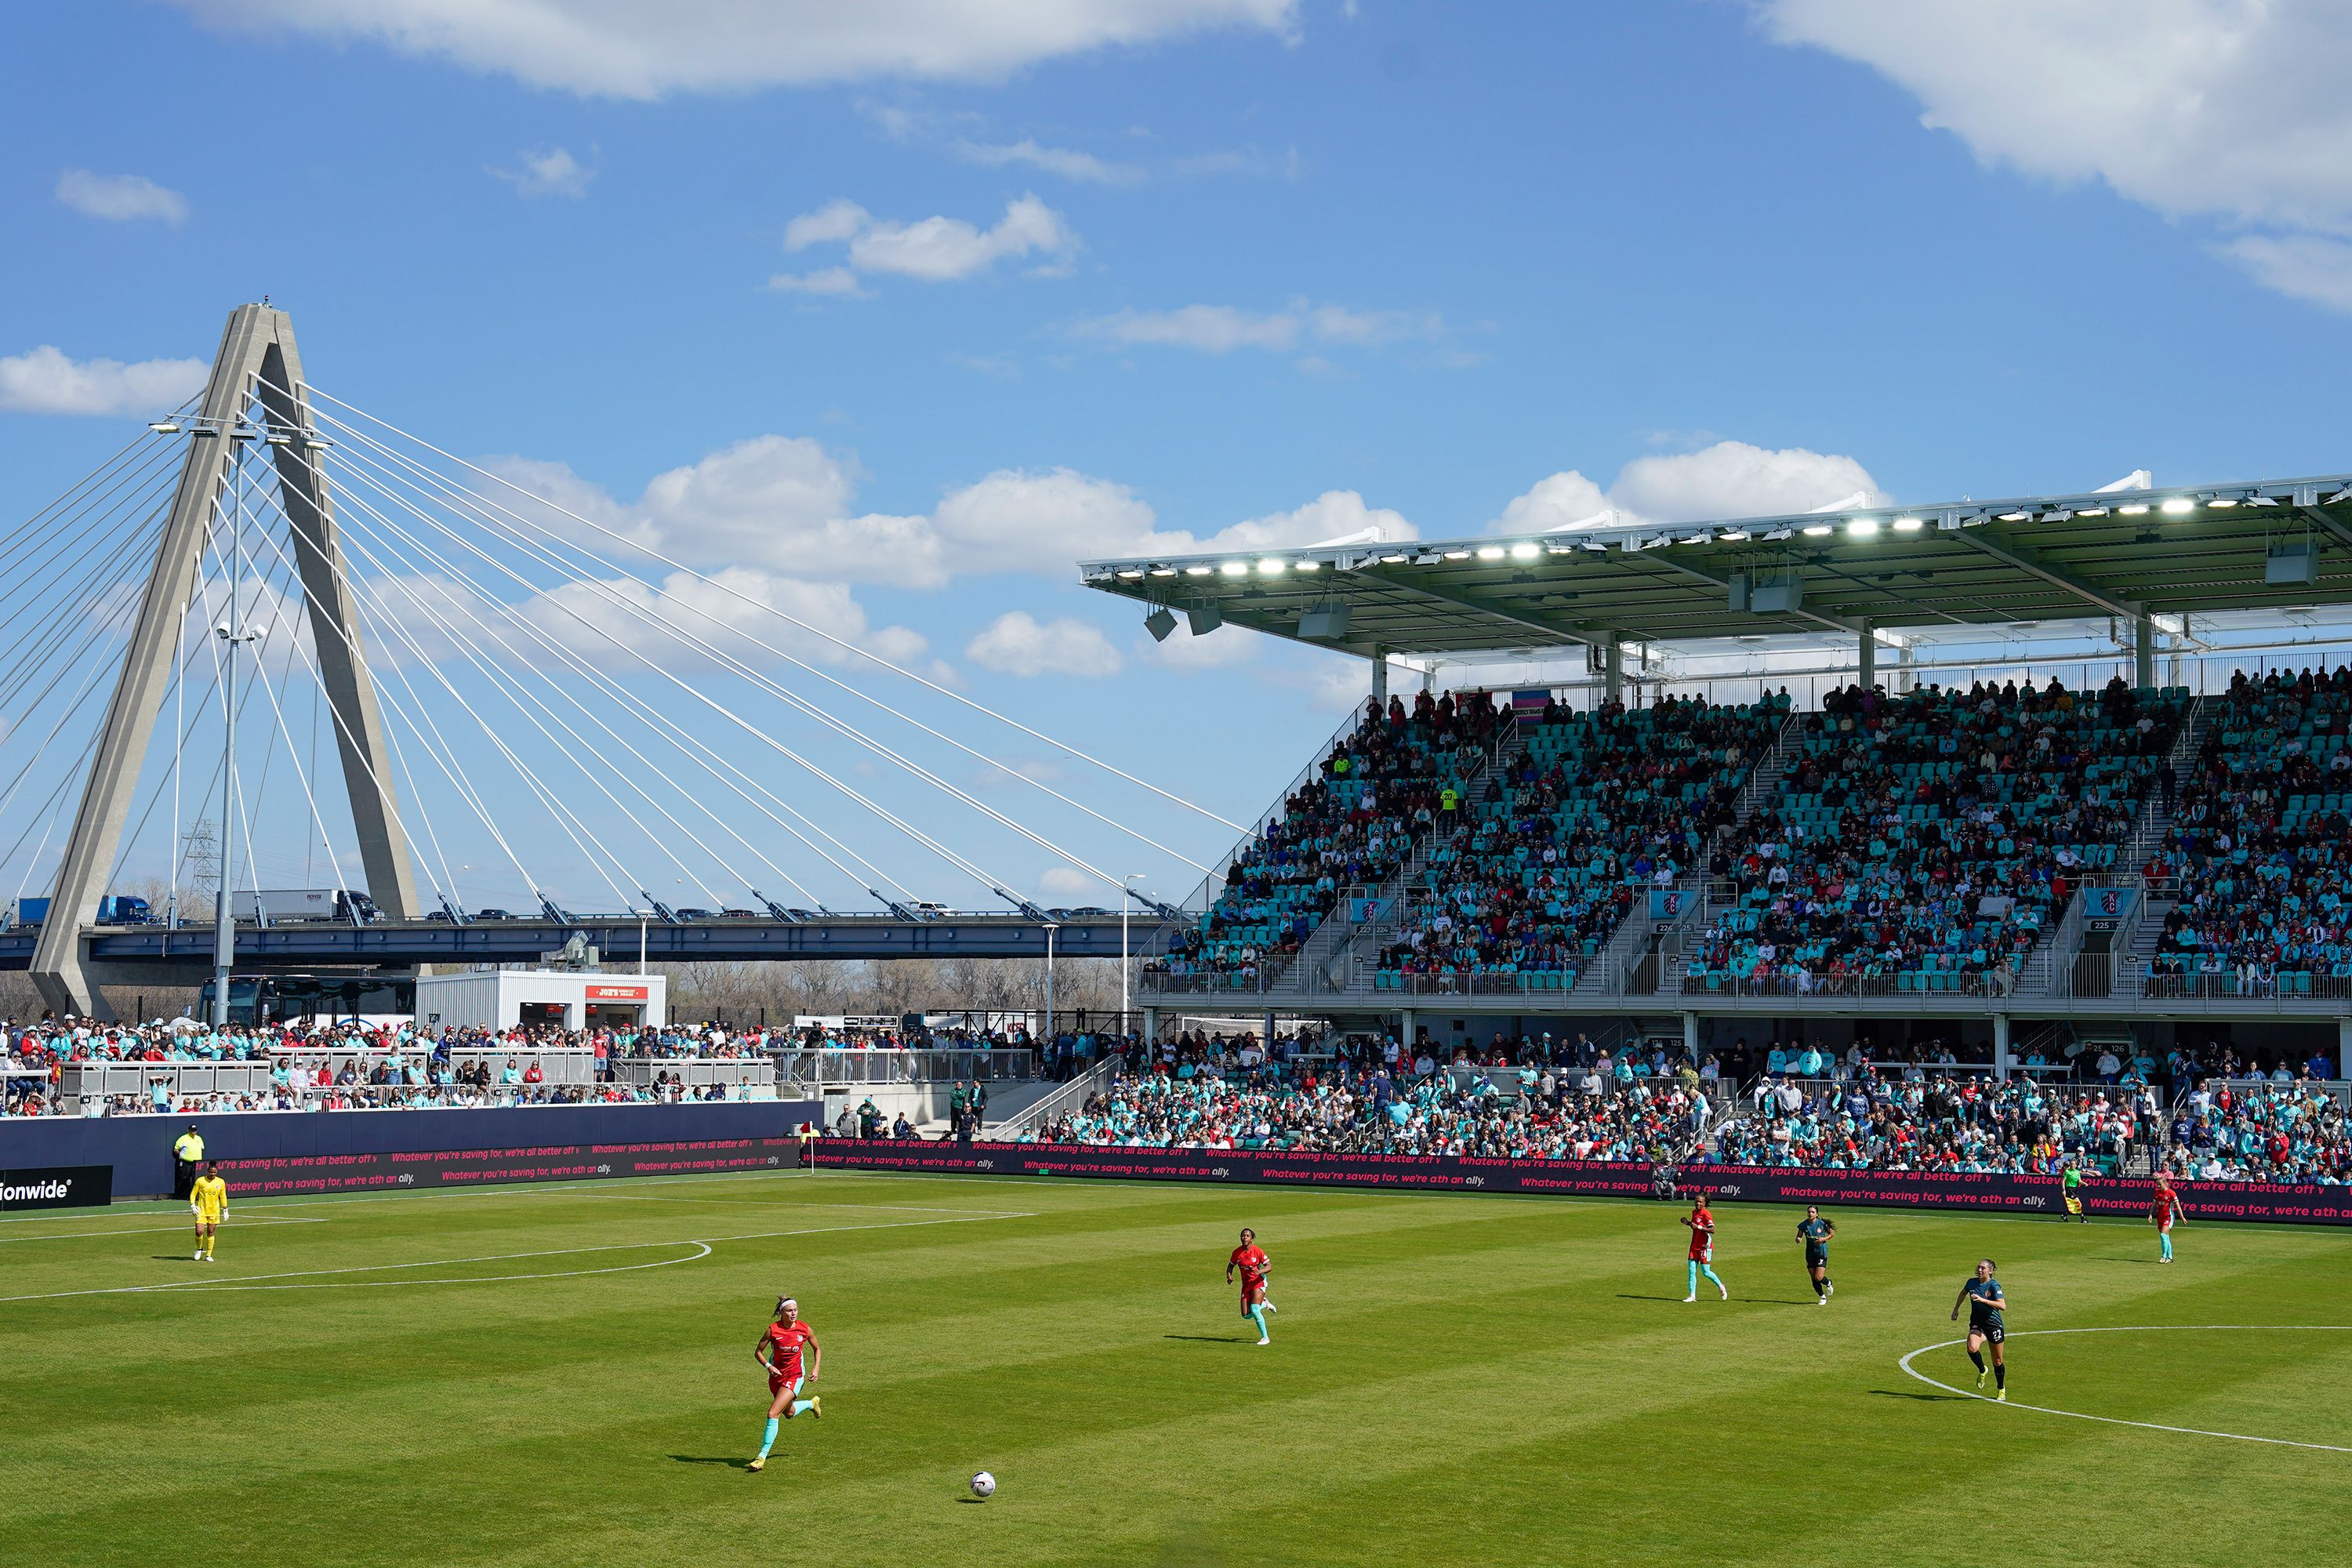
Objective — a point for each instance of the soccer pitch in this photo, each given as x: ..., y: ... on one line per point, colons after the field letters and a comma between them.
x: 564, y: 1375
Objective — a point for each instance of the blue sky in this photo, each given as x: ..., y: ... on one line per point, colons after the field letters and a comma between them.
x: 1200, y: 263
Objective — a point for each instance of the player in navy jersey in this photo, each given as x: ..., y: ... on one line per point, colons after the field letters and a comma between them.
x: 1817, y: 1234
x: 1982, y: 1295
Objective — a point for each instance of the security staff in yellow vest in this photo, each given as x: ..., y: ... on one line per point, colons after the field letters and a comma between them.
x: 187, y: 1154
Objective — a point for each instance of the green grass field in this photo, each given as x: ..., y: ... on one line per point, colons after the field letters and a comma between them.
x: 563, y: 1375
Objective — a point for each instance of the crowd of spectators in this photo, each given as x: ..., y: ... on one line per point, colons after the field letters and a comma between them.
x: 1922, y: 841
x: 1561, y: 841
x: 1402, y: 775
x: 2259, y: 845
x: 2280, y: 1128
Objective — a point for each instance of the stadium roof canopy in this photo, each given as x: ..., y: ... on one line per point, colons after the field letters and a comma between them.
x: 2156, y: 551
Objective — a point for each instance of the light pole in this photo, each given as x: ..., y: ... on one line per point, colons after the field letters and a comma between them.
x: 1050, y: 930
x: 1125, y: 891
x: 232, y: 632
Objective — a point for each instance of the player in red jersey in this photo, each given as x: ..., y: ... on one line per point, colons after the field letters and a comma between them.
x: 1251, y: 1260
x: 779, y: 1354
x: 1701, y: 1221
x: 2162, y: 1210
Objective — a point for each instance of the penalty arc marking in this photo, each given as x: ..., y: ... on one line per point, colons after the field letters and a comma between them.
x: 2148, y: 1329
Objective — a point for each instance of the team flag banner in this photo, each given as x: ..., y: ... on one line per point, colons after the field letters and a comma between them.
x: 2304, y: 1205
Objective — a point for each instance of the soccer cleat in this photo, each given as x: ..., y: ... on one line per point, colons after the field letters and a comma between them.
x: 2000, y: 1395
x: 758, y: 1464
x: 1723, y: 1292
x: 1981, y: 1376
x: 1821, y: 1301
x: 1265, y: 1341
x: 816, y: 1406
x: 1693, y: 1297
x: 198, y: 1255
x: 1831, y: 1286
x: 1268, y: 1306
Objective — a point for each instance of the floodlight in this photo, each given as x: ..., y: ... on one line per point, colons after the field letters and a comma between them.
x: 1457, y: 555
x: 2220, y: 502
x: 2137, y: 508
x: 1196, y: 571
x: 1490, y: 552
x: 2015, y: 516
x: 165, y: 427
x: 1307, y: 567
x: 1815, y: 530
x: 1160, y: 623
x: 1523, y: 552
x: 1733, y: 535
x: 1271, y: 568
x: 2176, y: 505
x: 1235, y: 568
x: 1131, y: 573
x: 1163, y: 570
x: 1862, y: 527
x: 1907, y: 525
x: 1395, y: 559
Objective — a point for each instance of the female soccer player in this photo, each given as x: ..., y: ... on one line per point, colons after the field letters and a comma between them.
x: 1983, y: 1293
x: 779, y: 1352
x: 1251, y: 1260
x: 2162, y: 1210
x: 1817, y: 1234
x: 1701, y: 1221
x: 208, y: 1201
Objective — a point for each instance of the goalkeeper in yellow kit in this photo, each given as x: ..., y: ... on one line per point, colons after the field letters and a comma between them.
x: 208, y: 1201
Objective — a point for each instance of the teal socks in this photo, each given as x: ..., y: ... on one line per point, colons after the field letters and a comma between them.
x: 768, y: 1441
x: 1257, y: 1316
x: 2166, y: 1242
x: 802, y: 1406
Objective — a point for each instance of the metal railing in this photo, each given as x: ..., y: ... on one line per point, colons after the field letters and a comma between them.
x: 797, y: 1070
x: 697, y: 1072
x: 1069, y: 1097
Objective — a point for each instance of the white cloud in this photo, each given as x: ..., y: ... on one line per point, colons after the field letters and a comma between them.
x: 934, y: 249
x: 121, y: 199
x: 547, y: 171
x: 1017, y: 643
x: 787, y: 504
x: 1729, y: 478
x: 838, y: 282
x: 1063, y: 160
x: 2227, y: 111
x: 46, y: 381
x: 1065, y: 880
x: 617, y: 48
x: 1222, y: 329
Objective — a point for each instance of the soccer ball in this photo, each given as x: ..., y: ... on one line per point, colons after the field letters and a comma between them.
x: 983, y: 1485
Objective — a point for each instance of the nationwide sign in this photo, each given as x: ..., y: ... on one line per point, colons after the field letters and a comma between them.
x: 57, y: 1187
x: 2303, y: 1204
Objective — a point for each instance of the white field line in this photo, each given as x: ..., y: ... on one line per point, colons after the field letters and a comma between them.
x: 495, y: 1190
x: 262, y: 1281
x: 149, y: 1229
x: 2145, y: 1426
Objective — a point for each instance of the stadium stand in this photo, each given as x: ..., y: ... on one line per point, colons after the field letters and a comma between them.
x: 1401, y: 776
x: 1570, y: 826
x: 1920, y: 842
x: 2259, y: 845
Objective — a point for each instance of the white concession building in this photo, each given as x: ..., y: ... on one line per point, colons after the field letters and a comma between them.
x: 566, y: 999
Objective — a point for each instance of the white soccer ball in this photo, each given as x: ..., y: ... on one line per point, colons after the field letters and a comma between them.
x: 983, y: 1485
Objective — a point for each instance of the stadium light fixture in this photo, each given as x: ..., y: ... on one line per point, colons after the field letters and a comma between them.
x: 2057, y: 515
x: 1490, y: 552
x: 1235, y: 568
x: 2093, y: 511
x: 1307, y: 567
x: 2015, y: 516
x: 1524, y: 551
x: 1457, y: 555
x: 1815, y: 530
x: 1778, y: 534
x: 1734, y: 535
x: 2137, y: 508
x: 1163, y: 570
x: 1395, y: 559
x: 1196, y: 571
x: 1908, y: 525
x: 1862, y: 527
x: 2256, y: 497
x: 2175, y: 506
x: 2221, y: 502
x: 1130, y: 572
x: 2343, y: 495
x: 1272, y: 568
